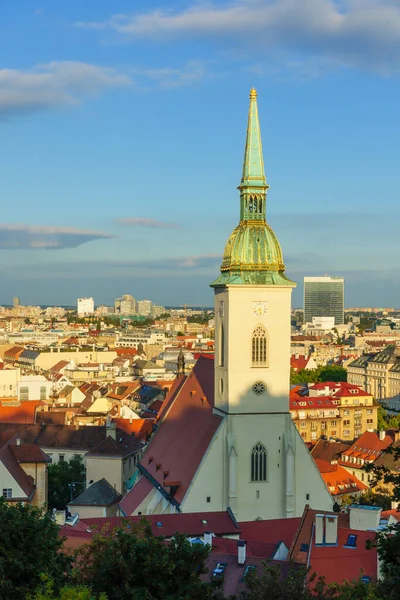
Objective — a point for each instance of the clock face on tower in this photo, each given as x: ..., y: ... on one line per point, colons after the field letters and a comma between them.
x: 260, y: 308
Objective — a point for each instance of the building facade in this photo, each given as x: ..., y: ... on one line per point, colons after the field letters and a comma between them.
x: 324, y: 297
x: 85, y: 306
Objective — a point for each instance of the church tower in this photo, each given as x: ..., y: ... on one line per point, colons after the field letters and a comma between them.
x: 266, y: 471
x: 252, y: 300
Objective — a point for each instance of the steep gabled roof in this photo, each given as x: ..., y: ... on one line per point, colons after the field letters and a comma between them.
x: 24, y: 481
x: 100, y: 493
x: 188, y: 426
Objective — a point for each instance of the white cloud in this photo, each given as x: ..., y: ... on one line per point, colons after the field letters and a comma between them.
x: 67, y: 83
x: 44, y: 237
x: 54, y: 84
x: 145, y: 222
x: 355, y: 33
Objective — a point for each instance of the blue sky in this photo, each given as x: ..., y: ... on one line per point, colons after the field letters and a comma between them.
x: 123, y: 127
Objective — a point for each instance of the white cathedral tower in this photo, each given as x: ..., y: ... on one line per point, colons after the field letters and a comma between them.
x: 231, y: 442
x: 270, y: 472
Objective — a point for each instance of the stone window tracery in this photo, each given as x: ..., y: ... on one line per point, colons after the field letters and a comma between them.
x: 259, y: 463
x: 259, y: 351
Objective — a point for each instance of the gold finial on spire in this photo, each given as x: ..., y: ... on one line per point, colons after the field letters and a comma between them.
x: 253, y: 94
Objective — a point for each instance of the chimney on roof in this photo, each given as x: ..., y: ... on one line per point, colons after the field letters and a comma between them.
x: 241, y: 546
x: 319, y: 529
x: 208, y: 536
x: 331, y: 529
x: 382, y: 435
x: 364, y: 518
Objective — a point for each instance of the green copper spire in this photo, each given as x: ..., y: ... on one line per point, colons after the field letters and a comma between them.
x: 252, y: 254
x: 253, y: 175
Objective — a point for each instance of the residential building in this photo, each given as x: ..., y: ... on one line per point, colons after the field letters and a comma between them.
x: 367, y: 449
x: 145, y: 307
x: 358, y: 412
x: 314, y: 417
x: 23, y: 471
x: 231, y: 415
x: 100, y: 499
x: 34, y: 387
x: 298, y: 362
x: 115, y: 458
x: 126, y: 305
x: 85, y: 307
x: 132, y: 339
x: 324, y: 297
x: 8, y: 382
x: 380, y: 373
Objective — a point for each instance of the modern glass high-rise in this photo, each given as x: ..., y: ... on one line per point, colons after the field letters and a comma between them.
x: 324, y: 297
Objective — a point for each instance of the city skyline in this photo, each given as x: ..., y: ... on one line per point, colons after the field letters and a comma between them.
x: 94, y: 113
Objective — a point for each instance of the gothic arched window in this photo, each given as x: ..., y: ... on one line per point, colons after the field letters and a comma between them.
x: 259, y: 463
x: 222, y: 346
x: 259, y: 351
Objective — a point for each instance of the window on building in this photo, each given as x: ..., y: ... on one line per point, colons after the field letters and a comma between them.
x: 222, y: 346
x: 346, y: 422
x: 303, y: 424
x: 61, y: 457
x: 208, y: 498
x: 24, y: 393
x: 346, y: 412
x: 259, y: 463
x: 259, y: 347
x: 351, y: 540
x: 7, y: 493
x: 43, y: 392
x: 346, y: 432
x: 333, y: 423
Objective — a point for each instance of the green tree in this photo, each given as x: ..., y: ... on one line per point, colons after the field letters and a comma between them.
x: 133, y: 564
x: 331, y: 373
x: 69, y: 592
x: 30, y: 547
x: 296, y: 584
x: 27, y: 321
x: 64, y: 478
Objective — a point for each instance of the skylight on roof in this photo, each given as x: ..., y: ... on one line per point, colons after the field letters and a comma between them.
x: 159, y: 524
x: 204, y: 521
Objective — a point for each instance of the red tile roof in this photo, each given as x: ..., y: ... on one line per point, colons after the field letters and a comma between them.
x: 186, y: 431
x: 29, y: 453
x: 338, y: 564
x: 190, y: 524
x: 141, y: 428
x: 25, y: 413
x: 338, y: 480
x: 314, y: 402
x: 24, y: 481
x: 122, y: 446
x: 367, y: 447
x: 270, y: 531
x: 393, y: 512
x: 135, y: 496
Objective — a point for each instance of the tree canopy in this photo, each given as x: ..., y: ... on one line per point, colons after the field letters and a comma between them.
x: 320, y: 374
x: 30, y: 547
x: 64, y: 478
x: 133, y: 564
